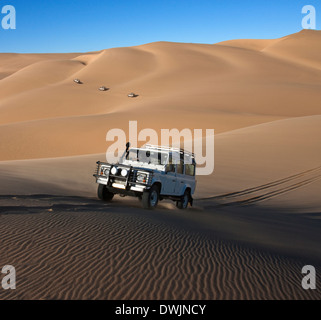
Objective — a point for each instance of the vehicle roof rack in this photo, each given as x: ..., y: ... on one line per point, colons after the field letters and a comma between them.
x: 149, y: 146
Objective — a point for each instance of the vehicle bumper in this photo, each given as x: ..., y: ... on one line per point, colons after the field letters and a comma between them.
x: 131, y: 193
x: 128, y: 189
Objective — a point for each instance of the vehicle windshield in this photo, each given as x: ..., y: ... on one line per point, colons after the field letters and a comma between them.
x: 146, y: 156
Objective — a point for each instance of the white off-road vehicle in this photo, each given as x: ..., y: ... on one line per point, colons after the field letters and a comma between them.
x: 152, y: 174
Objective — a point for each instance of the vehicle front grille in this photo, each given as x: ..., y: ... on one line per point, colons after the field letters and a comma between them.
x: 133, y: 176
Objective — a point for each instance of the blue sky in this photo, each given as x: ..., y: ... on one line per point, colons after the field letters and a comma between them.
x: 80, y: 26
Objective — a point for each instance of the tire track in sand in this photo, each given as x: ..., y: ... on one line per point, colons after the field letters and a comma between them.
x: 268, y: 191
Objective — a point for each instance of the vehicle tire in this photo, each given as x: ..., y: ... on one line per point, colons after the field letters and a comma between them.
x: 104, y: 194
x: 183, y: 204
x: 150, y: 198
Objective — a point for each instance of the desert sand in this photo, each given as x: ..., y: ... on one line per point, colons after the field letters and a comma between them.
x: 256, y: 220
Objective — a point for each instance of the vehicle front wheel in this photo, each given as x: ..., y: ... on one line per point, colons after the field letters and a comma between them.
x: 150, y: 198
x: 104, y: 194
x: 183, y: 203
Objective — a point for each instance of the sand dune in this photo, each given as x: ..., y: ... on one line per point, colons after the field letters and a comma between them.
x: 13, y: 62
x: 263, y: 154
x: 272, y: 160
x: 75, y: 248
x: 234, y: 88
x: 250, y: 44
x: 38, y: 75
x: 302, y: 48
x: 256, y: 219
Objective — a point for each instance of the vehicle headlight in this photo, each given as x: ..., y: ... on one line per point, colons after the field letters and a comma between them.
x: 142, y: 177
x: 124, y: 173
x: 104, y: 171
x: 113, y: 170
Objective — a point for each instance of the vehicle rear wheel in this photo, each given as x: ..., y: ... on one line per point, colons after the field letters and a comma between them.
x: 183, y: 203
x: 150, y: 198
x: 104, y: 194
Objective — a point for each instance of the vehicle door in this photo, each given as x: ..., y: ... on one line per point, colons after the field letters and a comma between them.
x: 169, y: 179
x: 190, y: 176
x: 180, y: 178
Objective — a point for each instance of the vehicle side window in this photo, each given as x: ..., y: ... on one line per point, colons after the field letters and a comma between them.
x: 180, y: 167
x: 190, y: 169
x: 170, y: 166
